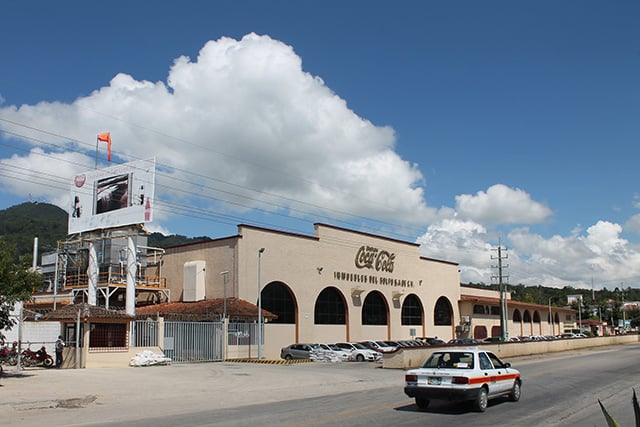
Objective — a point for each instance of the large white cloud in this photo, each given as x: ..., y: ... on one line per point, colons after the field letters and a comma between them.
x: 246, y: 115
x: 598, y: 256
x: 501, y: 204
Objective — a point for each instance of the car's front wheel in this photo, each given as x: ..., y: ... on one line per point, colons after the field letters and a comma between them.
x: 422, y: 403
x: 360, y: 358
x: 515, y: 392
x: 482, y: 400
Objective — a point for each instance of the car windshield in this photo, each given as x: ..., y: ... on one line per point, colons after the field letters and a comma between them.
x: 359, y: 346
x: 450, y: 360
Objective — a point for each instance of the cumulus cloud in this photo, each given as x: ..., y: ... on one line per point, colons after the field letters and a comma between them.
x: 501, y: 205
x: 599, y: 254
x: 247, y: 117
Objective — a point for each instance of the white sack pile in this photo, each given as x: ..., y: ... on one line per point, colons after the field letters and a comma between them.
x: 149, y: 358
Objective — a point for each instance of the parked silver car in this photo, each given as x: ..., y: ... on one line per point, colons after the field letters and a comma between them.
x: 297, y: 351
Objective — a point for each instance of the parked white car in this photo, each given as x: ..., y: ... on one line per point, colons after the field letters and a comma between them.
x: 463, y: 374
x: 380, y: 346
x: 359, y: 352
x: 334, y: 352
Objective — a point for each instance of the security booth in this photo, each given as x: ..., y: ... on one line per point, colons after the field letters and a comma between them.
x: 94, y: 336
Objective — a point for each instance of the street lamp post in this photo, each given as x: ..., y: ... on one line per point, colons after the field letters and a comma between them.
x: 225, y: 275
x: 260, y: 252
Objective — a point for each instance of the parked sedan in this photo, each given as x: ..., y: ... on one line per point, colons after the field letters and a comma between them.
x: 297, y: 351
x: 380, y: 346
x: 463, y: 341
x: 359, y: 352
x: 463, y: 374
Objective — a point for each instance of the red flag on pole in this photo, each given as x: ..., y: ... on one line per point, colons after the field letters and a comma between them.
x: 106, y: 137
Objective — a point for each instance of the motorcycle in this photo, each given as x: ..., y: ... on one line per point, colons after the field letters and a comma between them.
x: 9, y: 355
x: 36, y: 358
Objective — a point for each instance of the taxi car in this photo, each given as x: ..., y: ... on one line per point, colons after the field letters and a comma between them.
x: 463, y: 374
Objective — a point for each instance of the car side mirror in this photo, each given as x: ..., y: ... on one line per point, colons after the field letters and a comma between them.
x: 507, y: 365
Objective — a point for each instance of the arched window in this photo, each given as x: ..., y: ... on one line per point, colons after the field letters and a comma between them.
x: 527, y: 316
x: 517, y: 317
x: 536, y: 317
x: 330, y: 308
x: 277, y: 298
x: 442, y: 313
x: 374, y: 310
x: 411, y: 311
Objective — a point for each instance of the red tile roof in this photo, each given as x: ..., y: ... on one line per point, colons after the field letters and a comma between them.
x: 210, y: 309
x: 87, y: 311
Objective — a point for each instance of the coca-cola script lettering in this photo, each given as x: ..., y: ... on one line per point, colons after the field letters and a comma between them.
x: 372, y: 258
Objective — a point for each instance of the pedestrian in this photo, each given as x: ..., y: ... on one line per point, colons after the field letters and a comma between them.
x: 59, y: 347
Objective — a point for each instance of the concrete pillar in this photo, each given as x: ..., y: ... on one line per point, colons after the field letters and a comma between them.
x: 132, y: 271
x: 92, y: 275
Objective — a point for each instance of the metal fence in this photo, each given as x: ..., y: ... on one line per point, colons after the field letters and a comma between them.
x: 146, y: 333
x: 194, y: 341
x: 190, y: 342
x: 242, y: 334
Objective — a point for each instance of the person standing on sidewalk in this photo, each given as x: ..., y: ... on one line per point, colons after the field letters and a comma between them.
x: 59, y: 347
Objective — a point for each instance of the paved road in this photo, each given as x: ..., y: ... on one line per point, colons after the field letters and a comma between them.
x: 561, y: 389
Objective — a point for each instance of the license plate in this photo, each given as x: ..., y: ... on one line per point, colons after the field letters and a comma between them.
x: 434, y: 380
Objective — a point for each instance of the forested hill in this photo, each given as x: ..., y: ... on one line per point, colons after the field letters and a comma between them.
x: 20, y: 224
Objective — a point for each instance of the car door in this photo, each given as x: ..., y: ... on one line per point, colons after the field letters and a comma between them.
x: 489, y: 372
x: 504, y: 383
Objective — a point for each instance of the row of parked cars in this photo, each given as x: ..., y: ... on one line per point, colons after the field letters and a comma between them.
x: 340, y: 351
x: 369, y: 350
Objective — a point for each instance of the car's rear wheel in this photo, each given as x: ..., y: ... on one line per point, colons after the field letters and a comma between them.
x: 422, y: 403
x: 360, y: 358
x: 288, y: 357
x: 482, y: 400
x: 515, y: 392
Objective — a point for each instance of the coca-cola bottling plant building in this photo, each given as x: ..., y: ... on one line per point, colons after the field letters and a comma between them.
x: 337, y: 285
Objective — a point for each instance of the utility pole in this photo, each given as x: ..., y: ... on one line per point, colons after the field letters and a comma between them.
x: 504, y: 316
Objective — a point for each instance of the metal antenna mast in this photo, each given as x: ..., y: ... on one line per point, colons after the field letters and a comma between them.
x: 502, y: 286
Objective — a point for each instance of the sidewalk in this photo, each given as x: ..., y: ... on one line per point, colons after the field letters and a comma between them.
x: 120, y: 394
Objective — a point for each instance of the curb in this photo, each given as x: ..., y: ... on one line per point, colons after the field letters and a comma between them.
x: 269, y: 362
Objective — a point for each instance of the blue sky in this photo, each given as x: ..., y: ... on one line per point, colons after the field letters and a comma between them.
x: 458, y: 125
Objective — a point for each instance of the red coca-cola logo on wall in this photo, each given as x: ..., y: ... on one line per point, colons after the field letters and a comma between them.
x: 80, y: 180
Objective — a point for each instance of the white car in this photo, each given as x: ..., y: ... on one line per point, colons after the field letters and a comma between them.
x: 359, y: 352
x: 463, y: 374
x: 380, y: 346
x: 336, y: 352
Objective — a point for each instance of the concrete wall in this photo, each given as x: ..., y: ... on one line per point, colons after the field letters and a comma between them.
x: 114, y: 359
x: 415, y: 357
x: 36, y: 334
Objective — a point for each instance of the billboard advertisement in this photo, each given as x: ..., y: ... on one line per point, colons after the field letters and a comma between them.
x: 113, y: 197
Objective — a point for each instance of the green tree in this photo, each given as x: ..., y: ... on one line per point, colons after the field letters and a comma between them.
x: 17, y: 282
